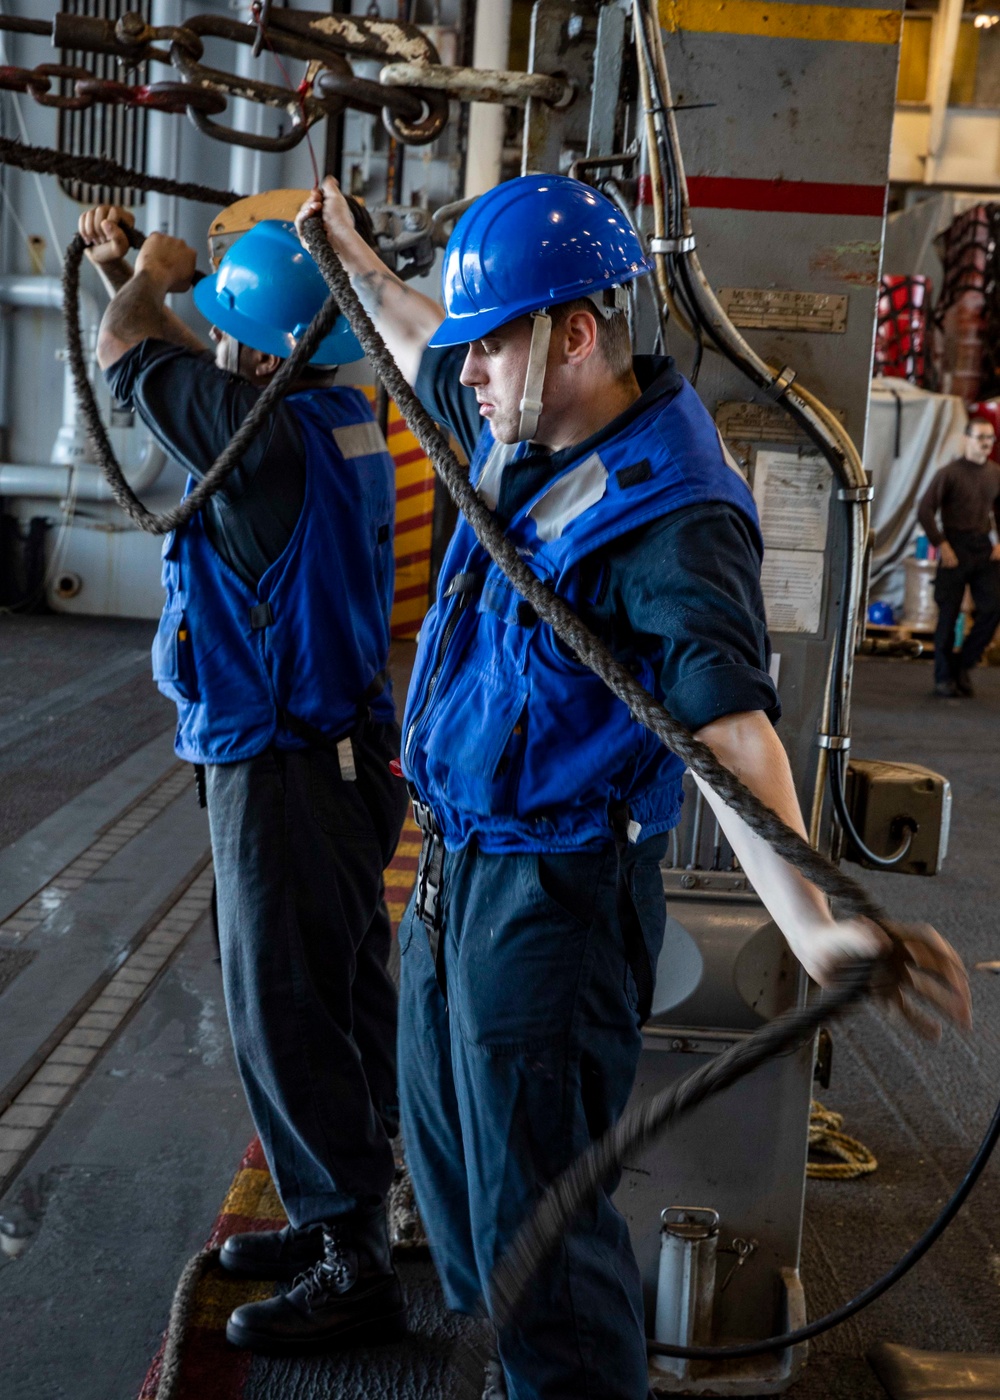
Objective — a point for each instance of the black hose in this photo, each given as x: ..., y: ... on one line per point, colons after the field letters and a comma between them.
x: 847, y: 822
x: 868, y: 1295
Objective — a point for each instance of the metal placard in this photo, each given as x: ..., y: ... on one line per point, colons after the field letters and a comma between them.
x: 760, y: 422
x: 769, y: 308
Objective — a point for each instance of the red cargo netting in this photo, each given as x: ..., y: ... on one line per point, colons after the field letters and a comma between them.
x: 966, y: 349
x: 901, y: 328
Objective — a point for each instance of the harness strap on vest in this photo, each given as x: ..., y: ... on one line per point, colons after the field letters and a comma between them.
x: 261, y: 616
x: 343, y: 748
x: 636, y: 952
x: 534, y: 378
x: 430, y: 872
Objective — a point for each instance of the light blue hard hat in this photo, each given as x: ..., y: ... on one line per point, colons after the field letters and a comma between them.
x: 531, y: 242
x: 266, y: 291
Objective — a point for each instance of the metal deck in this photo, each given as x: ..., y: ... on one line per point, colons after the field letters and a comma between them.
x: 132, y: 1122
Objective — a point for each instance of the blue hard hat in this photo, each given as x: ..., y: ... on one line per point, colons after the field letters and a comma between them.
x: 266, y: 291
x: 528, y: 243
x: 881, y: 614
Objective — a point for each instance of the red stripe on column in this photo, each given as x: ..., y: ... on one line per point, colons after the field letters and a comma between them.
x: 786, y: 196
x: 779, y: 196
x: 413, y: 454
x: 404, y: 527
x: 416, y: 590
x: 414, y: 488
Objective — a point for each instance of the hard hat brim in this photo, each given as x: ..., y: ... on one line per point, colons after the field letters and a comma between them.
x: 339, y: 347
x: 460, y: 330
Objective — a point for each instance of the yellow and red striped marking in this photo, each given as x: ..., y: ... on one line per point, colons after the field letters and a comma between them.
x: 414, y: 516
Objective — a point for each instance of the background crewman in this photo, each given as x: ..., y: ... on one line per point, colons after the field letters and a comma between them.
x: 274, y: 645
x: 966, y: 496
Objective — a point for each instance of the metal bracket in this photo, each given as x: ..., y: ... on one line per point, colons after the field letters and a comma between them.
x: 783, y: 382
x: 833, y: 741
x: 856, y: 493
x: 677, y: 245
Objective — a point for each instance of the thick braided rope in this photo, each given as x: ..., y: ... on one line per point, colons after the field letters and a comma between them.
x: 227, y: 460
x: 853, y: 899
x: 181, y: 1312
x: 95, y: 170
x: 639, y: 1127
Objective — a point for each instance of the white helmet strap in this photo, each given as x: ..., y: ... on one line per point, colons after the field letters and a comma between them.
x: 534, y: 378
x: 607, y: 302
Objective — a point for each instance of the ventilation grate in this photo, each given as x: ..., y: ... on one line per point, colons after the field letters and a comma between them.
x: 110, y: 132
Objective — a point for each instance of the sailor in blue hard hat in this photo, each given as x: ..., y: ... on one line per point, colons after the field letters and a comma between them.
x: 264, y: 294
x: 530, y: 949
x: 273, y: 645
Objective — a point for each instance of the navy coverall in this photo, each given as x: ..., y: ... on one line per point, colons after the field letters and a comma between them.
x: 529, y: 1049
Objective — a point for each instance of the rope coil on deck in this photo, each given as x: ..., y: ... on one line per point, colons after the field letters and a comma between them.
x: 826, y: 1135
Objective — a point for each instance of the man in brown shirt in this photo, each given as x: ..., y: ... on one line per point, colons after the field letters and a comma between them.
x: 966, y: 495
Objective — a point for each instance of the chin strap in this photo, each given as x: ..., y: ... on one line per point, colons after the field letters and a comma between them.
x: 534, y: 378
x: 232, y: 355
x: 607, y: 302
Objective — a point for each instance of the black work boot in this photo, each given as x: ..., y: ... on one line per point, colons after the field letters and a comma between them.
x: 963, y: 683
x: 279, y: 1254
x: 351, y: 1296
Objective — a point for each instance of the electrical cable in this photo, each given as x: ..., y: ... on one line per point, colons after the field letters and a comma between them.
x: 868, y: 1295
x: 844, y: 817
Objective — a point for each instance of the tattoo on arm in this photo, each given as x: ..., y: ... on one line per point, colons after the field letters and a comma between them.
x: 114, y: 276
x: 137, y: 313
x: 372, y: 288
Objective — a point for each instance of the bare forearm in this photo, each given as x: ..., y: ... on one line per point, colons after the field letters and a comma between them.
x: 114, y: 276
x: 137, y: 312
x: 747, y: 745
x: 404, y: 317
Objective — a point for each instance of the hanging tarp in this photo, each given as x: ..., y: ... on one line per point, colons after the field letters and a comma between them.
x: 911, y: 432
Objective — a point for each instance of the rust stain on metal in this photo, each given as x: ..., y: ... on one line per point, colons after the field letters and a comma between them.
x: 855, y: 263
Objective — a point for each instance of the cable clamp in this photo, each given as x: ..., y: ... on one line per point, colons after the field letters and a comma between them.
x: 673, y: 245
x: 833, y: 741
x: 856, y: 493
x: 783, y: 382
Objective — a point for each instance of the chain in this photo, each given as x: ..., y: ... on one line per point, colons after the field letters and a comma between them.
x: 89, y: 91
x: 412, y: 115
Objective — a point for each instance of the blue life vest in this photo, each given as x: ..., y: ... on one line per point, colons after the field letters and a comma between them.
x: 312, y: 638
x: 506, y: 735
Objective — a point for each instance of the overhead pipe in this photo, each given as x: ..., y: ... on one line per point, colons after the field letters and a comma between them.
x: 484, y: 148
x: 947, y: 24
x: 69, y: 474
